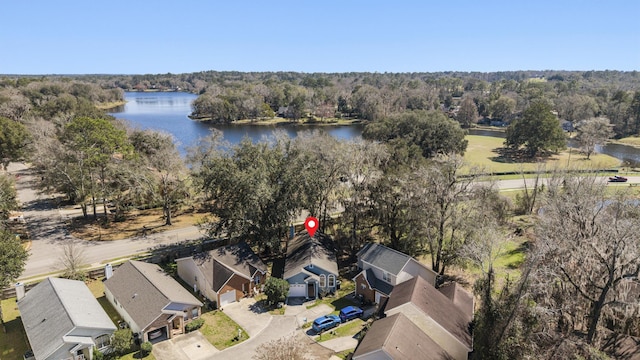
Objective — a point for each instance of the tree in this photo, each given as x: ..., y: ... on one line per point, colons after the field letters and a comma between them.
x: 122, y: 341
x: 468, y: 113
x: 276, y: 289
x: 592, y: 132
x: 503, y: 108
x: 13, y: 257
x: 588, y: 250
x: 432, y: 131
x: 14, y: 138
x: 286, y: 348
x: 72, y: 259
x: 538, y: 130
x: 8, y: 200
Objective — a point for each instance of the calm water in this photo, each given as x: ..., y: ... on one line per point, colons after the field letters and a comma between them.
x: 167, y: 111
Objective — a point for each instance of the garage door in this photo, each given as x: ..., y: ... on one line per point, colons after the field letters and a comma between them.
x: 227, y: 298
x: 297, y: 290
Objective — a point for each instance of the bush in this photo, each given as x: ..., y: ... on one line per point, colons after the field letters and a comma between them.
x: 145, y: 348
x: 276, y: 290
x: 122, y: 341
x: 194, y: 325
x: 97, y: 354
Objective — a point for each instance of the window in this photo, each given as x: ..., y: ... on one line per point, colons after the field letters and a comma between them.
x: 103, y: 341
x: 386, y: 277
x: 363, y: 286
x: 256, y: 279
x: 323, y: 281
x: 332, y: 281
x: 194, y: 313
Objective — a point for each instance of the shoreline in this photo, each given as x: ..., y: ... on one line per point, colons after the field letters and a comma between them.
x: 277, y: 121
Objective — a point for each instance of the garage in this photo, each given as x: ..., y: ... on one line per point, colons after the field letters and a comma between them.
x: 227, y: 298
x: 297, y: 290
x: 157, y: 335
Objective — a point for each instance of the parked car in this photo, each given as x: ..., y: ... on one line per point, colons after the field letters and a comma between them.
x: 325, y: 322
x: 350, y: 312
x: 617, y: 178
x: 155, y: 334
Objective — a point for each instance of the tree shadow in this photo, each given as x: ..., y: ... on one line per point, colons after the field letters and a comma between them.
x: 509, y: 156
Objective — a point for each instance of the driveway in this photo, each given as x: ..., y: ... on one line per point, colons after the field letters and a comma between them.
x: 191, y: 346
x: 251, y: 317
x: 302, y: 314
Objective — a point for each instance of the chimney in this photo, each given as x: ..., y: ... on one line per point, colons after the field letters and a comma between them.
x: 108, y: 271
x: 19, y: 291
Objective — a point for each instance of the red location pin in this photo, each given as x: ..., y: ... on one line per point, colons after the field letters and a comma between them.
x: 312, y: 225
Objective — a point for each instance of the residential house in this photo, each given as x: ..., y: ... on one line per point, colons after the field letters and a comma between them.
x: 310, y: 266
x: 382, y: 268
x: 224, y: 275
x: 433, y: 312
x: 63, y: 320
x: 152, y: 303
x: 397, y: 338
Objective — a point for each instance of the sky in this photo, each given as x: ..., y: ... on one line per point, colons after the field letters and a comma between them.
x: 152, y: 37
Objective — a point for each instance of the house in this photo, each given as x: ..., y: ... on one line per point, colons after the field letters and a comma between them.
x: 382, y: 268
x: 310, y: 266
x: 433, y: 312
x: 397, y: 338
x: 224, y: 275
x: 152, y: 303
x: 63, y: 320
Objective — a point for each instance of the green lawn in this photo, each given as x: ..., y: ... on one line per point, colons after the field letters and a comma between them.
x: 349, y: 329
x: 338, y: 301
x: 13, y: 343
x: 632, y: 141
x: 220, y: 330
x: 483, y: 152
x: 136, y: 356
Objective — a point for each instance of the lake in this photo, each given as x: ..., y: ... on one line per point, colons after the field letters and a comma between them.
x: 168, y: 112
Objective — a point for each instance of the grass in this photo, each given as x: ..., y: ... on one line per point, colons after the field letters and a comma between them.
x: 349, y: 329
x: 97, y: 289
x: 137, y: 223
x: 344, y: 355
x: 631, y: 141
x: 339, y: 300
x: 136, y: 355
x: 220, y: 330
x: 483, y: 152
x: 13, y: 343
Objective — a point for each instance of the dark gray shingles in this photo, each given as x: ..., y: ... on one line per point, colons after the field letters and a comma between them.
x: 303, y: 250
x: 378, y: 284
x: 383, y: 257
x: 220, y: 275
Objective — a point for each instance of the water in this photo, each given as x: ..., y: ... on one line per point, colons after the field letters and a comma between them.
x: 167, y: 111
x: 629, y: 155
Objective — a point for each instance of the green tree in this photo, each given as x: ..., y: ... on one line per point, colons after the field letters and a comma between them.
x: 8, y: 200
x: 538, y: 130
x: 503, y: 108
x: 13, y: 257
x: 122, y: 341
x: 468, y: 113
x: 276, y: 290
x: 592, y: 132
x: 14, y: 138
x: 432, y: 131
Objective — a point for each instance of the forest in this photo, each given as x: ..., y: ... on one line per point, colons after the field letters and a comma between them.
x: 405, y: 184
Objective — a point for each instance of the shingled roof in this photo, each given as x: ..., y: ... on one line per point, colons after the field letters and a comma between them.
x: 385, y: 258
x: 55, y: 307
x: 144, y: 289
x: 303, y: 250
x: 399, y: 339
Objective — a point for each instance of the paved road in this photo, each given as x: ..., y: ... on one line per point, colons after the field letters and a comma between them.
x: 517, y: 184
x: 48, y: 232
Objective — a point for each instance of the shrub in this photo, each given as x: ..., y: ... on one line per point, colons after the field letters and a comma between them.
x: 97, y: 354
x: 145, y: 348
x: 276, y: 290
x: 122, y: 341
x: 194, y: 325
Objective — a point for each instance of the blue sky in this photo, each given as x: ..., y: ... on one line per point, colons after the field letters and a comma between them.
x: 140, y: 37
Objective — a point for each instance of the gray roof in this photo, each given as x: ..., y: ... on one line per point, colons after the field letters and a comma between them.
x: 303, y: 250
x: 53, y: 308
x: 380, y: 285
x: 383, y: 257
x: 433, y: 304
x: 400, y: 339
x: 219, y: 264
x: 144, y: 289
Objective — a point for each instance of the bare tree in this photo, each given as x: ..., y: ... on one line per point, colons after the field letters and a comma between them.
x: 286, y: 348
x: 72, y: 259
x: 593, y: 132
x: 589, y: 246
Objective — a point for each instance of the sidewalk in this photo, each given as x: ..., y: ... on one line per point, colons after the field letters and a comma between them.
x: 340, y: 344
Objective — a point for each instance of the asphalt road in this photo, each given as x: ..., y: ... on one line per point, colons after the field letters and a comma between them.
x: 48, y: 232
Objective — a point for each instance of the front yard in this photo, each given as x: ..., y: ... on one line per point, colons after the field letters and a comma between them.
x: 13, y: 342
x: 350, y: 328
x: 220, y: 330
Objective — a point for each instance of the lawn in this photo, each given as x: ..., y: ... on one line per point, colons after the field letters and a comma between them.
x: 97, y: 289
x: 13, y: 343
x: 136, y: 356
x: 339, y: 300
x: 631, y: 141
x: 220, y: 330
x: 483, y: 152
x: 349, y: 329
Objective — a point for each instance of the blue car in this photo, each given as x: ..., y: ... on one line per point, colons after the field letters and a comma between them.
x: 325, y: 322
x: 350, y: 312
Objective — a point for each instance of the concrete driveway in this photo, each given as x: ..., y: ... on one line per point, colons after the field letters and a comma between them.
x: 191, y: 346
x: 251, y: 317
x: 302, y: 314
